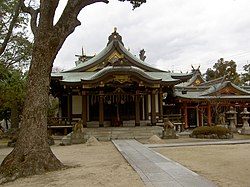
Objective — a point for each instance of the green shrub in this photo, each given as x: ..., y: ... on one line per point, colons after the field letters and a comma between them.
x: 210, y: 130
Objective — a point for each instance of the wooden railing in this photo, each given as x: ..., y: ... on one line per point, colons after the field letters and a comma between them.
x: 60, y: 121
x: 64, y: 123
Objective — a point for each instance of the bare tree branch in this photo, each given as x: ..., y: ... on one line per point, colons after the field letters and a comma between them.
x: 68, y: 20
x: 72, y: 10
x: 33, y: 13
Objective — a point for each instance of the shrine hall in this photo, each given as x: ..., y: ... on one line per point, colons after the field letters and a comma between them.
x: 114, y: 88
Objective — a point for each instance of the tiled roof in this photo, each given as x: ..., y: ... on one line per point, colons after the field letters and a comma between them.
x: 86, y: 70
x: 213, y: 92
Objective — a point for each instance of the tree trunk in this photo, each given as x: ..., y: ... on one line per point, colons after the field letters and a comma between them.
x: 32, y: 154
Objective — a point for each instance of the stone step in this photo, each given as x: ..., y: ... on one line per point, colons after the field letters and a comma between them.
x: 108, y: 133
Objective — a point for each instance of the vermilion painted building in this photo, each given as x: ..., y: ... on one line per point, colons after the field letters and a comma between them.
x: 206, y: 102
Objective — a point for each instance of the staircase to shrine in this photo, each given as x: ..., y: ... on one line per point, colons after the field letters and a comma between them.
x: 114, y: 133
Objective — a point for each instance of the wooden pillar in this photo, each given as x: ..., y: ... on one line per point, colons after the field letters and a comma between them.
x: 137, y: 110
x: 60, y: 107
x: 143, y: 108
x: 209, y: 119
x: 153, y: 108
x: 84, y: 109
x: 69, y: 104
x: 197, y: 116
x: 185, y: 115
x: 65, y: 131
x: 200, y: 117
x: 101, y: 112
x: 160, y: 98
x: 146, y: 107
x: 87, y: 107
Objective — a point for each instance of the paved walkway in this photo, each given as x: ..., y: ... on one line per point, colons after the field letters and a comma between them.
x: 199, y: 143
x: 156, y: 170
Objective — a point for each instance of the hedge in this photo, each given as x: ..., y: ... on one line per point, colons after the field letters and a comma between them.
x: 204, y: 130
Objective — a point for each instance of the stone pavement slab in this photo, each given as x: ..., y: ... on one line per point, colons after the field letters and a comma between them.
x: 226, y: 142
x: 156, y: 170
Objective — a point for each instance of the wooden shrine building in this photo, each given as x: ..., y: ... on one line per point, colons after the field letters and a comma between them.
x: 206, y: 102
x: 113, y: 88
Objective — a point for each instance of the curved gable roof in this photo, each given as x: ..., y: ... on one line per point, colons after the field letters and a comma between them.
x: 225, y: 88
x: 114, y: 44
x: 115, y: 58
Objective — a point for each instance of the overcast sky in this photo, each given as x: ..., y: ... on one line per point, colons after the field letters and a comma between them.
x: 174, y: 33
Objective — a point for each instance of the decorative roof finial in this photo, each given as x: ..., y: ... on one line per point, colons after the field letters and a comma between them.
x: 197, y: 70
x: 115, y: 37
x: 82, y: 51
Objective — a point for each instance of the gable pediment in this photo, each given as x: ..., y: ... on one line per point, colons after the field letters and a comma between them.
x: 229, y: 91
x: 114, y: 59
x: 197, y: 81
x: 114, y: 56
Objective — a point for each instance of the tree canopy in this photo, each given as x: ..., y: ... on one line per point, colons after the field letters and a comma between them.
x: 12, y: 93
x: 223, y: 68
x: 15, y: 45
x: 15, y: 55
x: 246, y: 75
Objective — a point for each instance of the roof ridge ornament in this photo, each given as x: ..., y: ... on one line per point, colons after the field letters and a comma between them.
x: 142, y: 55
x: 115, y: 36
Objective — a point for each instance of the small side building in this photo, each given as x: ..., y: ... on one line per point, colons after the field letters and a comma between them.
x: 206, y: 102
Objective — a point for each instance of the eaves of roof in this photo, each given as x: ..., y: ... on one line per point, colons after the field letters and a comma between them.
x: 198, y: 96
x: 165, y: 78
x: 124, y: 70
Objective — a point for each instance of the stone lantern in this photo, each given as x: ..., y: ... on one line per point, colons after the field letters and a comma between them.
x: 245, y: 117
x: 232, y: 119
